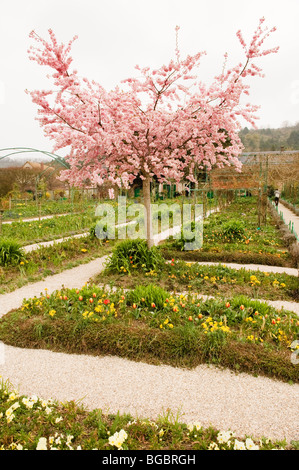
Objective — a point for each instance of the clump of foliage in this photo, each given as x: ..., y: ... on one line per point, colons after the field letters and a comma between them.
x: 150, y: 296
x: 134, y: 254
x: 10, y: 252
x: 233, y: 230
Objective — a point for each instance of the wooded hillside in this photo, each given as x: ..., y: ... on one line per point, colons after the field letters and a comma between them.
x: 261, y: 140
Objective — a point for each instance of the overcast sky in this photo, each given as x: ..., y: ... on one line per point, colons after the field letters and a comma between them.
x: 115, y: 35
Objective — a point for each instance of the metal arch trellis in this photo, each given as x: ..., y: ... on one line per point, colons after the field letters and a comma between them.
x: 19, y: 150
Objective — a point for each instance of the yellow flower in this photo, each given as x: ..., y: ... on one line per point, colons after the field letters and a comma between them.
x: 52, y: 313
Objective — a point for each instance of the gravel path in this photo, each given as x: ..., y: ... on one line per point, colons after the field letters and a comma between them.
x: 242, y: 403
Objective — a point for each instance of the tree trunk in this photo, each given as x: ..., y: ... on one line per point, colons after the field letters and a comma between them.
x: 147, y: 203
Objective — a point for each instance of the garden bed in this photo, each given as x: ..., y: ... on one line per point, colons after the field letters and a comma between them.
x: 50, y: 260
x: 233, y: 235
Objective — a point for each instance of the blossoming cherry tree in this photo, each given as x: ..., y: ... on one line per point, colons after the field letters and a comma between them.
x: 164, y: 124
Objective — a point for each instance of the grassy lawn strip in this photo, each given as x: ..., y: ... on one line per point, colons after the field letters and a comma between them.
x: 30, y: 423
x: 212, y: 280
x: 233, y: 235
x: 48, y: 207
x: 47, y: 261
x: 149, y: 324
x: 240, y: 257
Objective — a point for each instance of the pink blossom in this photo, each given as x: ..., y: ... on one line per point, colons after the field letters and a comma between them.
x: 117, y: 135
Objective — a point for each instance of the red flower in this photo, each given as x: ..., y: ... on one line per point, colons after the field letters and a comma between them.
x: 106, y: 301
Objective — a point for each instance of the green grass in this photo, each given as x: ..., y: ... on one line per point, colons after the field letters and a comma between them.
x: 27, y: 233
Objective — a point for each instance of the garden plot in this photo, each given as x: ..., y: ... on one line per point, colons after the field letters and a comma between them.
x: 233, y: 236
x: 47, y: 261
x: 139, y: 307
x: 52, y: 228
x: 148, y: 326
